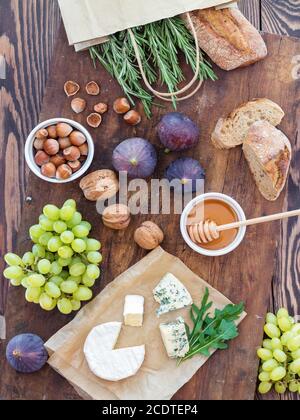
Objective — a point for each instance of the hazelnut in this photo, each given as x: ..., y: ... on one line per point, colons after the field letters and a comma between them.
x: 75, y: 166
x: 84, y: 149
x: 58, y: 160
x: 116, y: 217
x: 41, y: 158
x: 64, y: 143
x: 148, y: 236
x: 100, y: 185
x: 63, y: 172
x: 63, y: 130
x: 52, y: 132
x: 77, y: 138
x: 39, y: 144
x: 94, y: 120
x: 101, y: 108
x: 78, y: 105
x: 72, y: 153
x: 49, y: 170
x: 51, y: 147
x: 132, y: 117
x: 121, y: 106
x: 42, y: 134
x: 71, y: 88
x: 92, y: 88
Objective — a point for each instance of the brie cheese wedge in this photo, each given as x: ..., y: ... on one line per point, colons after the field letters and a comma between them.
x: 107, y: 363
x: 134, y: 310
x: 171, y: 294
x: 175, y: 338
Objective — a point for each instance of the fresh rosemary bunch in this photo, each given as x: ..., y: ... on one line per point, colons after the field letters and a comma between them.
x: 160, y: 44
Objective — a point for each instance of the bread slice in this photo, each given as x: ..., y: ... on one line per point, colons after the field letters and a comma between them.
x: 231, y: 131
x: 268, y: 152
x: 228, y: 38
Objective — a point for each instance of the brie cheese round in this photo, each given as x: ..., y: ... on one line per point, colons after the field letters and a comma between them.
x: 107, y: 363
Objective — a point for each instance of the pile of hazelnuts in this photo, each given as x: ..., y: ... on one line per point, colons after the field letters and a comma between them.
x: 60, y: 150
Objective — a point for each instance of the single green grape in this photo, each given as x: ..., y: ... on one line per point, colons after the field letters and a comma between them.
x: 77, y: 269
x: 293, y: 385
x: 64, y: 306
x: 278, y: 373
x: 75, y: 260
x: 279, y: 355
x: 46, y: 302
x: 76, y: 279
x: 66, y: 213
x: 79, y: 246
x: 296, y: 354
x: 70, y: 203
x: 86, y: 224
x: 28, y: 259
x: 65, y: 252
x: 264, y: 354
x: 45, y: 238
x: 296, y: 328
x: 93, y: 271
x: 272, y: 331
x: 94, y: 257
x: 36, y: 231
x: 293, y: 343
x: 270, y: 365
x: 52, y: 212
x: 46, y: 224
x: 13, y: 273
x: 16, y: 282
x: 92, y: 245
x: 285, y: 337
x: 282, y: 313
x: 57, y: 280
x: 87, y: 281
x: 76, y: 305
x: 265, y: 387
x: 24, y: 282
x: 52, y: 290
x: 276, y: 343
x: 64, y: 262
x: 264, y: 376
x: 284, y: 324
x: 54, y: 244
x: 60, y: 226
x: 76, y: 220
x: 80, y: 231
x: 56, y: 268
x: 295, y: 366
x: 271, y: 318
x: 32, y: 294
x: 36, y: 280
x: 44, y: 266
x: 69, y: 287
x: 280, y: 387
x: 83, y: 294
x: 39, y: 251
x: 67, y: 237
x: 267, y: 344
x: 13, y: 259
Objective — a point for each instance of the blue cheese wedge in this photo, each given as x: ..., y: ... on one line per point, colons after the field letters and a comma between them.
x: 171, y: 294
x: 134, y: 310
x: 175, y: 338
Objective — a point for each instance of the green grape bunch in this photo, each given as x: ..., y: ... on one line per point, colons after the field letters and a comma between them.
x: 280, y: 354
x: 63, y: 264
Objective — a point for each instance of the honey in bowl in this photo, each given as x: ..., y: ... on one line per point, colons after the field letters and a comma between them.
x: 221, y: 213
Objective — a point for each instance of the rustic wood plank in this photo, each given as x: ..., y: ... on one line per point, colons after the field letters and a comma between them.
x: 28, y: 33
x: 252, y: 11
x: 217, y: 380
x: 281, y: 17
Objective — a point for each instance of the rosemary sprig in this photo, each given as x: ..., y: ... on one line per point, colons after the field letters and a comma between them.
x: 160, y: 45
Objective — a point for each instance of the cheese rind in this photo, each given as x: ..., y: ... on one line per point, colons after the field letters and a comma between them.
x: 175, y: 338
x: 171, y: 294
x: 107, y: 363
x: 134, y: 310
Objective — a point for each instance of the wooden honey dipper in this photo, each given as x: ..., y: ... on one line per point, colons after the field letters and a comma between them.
x: 208, y: 231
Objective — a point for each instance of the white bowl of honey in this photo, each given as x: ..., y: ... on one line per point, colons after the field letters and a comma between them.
x: 220, y: 208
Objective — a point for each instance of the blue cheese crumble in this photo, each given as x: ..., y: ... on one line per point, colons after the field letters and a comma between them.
x: 175, y: 338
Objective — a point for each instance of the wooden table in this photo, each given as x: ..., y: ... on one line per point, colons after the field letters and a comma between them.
x: 21, y: 97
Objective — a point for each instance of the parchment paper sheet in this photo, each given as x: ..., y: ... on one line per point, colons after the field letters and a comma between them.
x: 159, y: 378
x: 86, y: 20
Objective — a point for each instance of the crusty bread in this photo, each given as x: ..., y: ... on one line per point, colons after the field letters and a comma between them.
x: 228, y: 38
x: 268, y: 152
x: 231, y: 131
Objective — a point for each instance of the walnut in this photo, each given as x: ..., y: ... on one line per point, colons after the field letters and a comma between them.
x: 148, y: 236
x: 116, y: 217
x: 100, y: 185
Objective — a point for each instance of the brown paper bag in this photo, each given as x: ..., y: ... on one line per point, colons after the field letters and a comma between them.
x: 86, y: 20
x: 159, y: 378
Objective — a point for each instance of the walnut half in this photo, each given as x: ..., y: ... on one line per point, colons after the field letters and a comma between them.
x: 100, y: 185
x: 116, y: 217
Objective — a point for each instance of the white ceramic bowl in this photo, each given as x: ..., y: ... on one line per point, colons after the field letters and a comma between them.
x: 29, y: 151
x: 214, y: 196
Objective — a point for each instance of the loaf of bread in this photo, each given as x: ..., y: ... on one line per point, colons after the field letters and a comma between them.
x: 231, y: 131
x: 228, y: 38
x: 268, y: 152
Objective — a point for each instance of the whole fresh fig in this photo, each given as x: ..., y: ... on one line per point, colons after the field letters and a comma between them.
x: 187, y: 171
x: 177, y: 132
